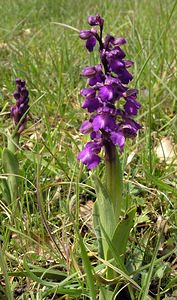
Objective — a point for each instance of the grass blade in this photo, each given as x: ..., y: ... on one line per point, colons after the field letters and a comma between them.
x: 5, y: 273
x: 88, y: 269
x: 144, y: 291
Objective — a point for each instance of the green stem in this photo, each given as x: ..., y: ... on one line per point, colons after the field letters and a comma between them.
x: 13, y: 179
x: 114, y: 180
x: 13, y: 141
x: 114, y: 187
x: 5, y: 273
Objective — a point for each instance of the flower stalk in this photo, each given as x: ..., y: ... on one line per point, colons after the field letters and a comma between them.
x: 113, y: 178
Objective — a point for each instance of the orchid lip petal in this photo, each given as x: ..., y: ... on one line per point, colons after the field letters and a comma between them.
x: 106, y: 93
x: 89, y: 155
x: 118, y: 138
x: 90, y: 43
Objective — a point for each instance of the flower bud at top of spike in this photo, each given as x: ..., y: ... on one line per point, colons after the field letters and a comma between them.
x: 18, y: 81
x: 95, y: 20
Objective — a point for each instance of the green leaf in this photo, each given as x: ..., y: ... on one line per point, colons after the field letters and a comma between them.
x: 11, y: 167
x: 71, y: 292
x: 122, y: 231
x: 114, y: 181
x: 139, y: 252
x: 3, y: 267
x: 126, y: 277
x: 96, y: 224
x: 58, y: 285
x: 88, y: 269
x: 105, y: 294
x: 170, y: 284
x: 35, y: 278
x: 114, y: 253
x: 145, y: 287
x: 45, y: 273
x: 6, y: 191
x: 118, y: 243
x: 104, y: 213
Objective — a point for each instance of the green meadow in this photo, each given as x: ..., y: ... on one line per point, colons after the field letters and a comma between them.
x: 48, y: 244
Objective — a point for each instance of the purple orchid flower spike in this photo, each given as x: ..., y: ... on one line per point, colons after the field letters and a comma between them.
x: 107, y: 84
x: 18, y: 111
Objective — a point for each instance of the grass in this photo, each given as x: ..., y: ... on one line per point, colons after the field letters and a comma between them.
x: 50, y: 57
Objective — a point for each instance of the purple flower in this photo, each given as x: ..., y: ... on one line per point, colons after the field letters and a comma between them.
x: 90, y: 44
x: 104, y: 122
x: 95, y: 20
x: 109, y: 122
x: 18, y: 111
x: 118, y: 138
x: 130, y: 128
x: 86, y: 127
x: 131, y: 106
x: 89, y: 155
x: 85, y: 34
x: 107, y: 109
x: 88, y: 72
x: 119, y: 41
x: 90, y: 36
x: 116, y: 65
x: 115, y: 53
x: 88, y: 92
x: 98, y: 78
x: 128, y: 63
x: 106, y: 93
x: 91, y: 104
x: 125, y: 77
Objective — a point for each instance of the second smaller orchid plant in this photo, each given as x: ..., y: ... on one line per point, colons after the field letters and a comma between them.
x: 18, y: 113
x: 112, y: 106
